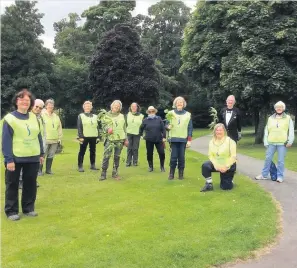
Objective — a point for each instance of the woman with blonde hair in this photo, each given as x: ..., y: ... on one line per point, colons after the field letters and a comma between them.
x: 278, y: 136
x: 180, y: 129
x: 116, y: 139
x: 222, y: 158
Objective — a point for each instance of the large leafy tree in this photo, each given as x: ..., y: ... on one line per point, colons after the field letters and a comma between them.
x: 244, y: 48
x: 25, y: 62
x: 104, y: 16
x: 121, y: 69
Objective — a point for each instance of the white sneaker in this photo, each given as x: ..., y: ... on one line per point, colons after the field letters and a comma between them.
x: 280, y: 180
x: 260, y: 177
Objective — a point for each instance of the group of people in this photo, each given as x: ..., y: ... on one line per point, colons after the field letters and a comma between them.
x: 33, y: 132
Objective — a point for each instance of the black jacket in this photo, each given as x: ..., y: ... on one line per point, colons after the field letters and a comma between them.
x: 234, y: 125
x: 154, y: 129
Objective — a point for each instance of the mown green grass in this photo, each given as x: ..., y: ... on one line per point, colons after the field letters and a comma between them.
x: 246, y: 146
x: 144, y: 220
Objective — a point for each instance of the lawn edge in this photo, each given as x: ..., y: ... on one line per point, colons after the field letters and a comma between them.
x: 258, y: 253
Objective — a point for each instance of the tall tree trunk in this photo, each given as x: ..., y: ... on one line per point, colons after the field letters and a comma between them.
x: 261, y: 125
x: 256, y: 120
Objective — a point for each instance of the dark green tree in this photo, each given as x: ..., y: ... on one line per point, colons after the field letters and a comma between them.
x: 244, y: 48
x: 25, y: 62
x: 121, y: 69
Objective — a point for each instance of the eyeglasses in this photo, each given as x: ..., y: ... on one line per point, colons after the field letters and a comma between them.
x: 38, y: 107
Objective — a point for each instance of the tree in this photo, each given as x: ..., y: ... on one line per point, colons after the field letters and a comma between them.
x: 243, y: 48
x: 24, y: 60
x: 72, y: 40
x: 121, y: 69
x: 104, y: 16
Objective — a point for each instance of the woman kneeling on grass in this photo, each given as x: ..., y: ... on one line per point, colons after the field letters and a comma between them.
x: 222, y: 158
x: 116, y: 138
x: 278, y: 136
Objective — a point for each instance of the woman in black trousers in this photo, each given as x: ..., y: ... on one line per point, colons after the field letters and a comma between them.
x: 22, y: 148
x: 155, y: 135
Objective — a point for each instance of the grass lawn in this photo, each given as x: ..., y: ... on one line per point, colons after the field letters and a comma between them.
x: 246, y: 146
x: 144, y: 220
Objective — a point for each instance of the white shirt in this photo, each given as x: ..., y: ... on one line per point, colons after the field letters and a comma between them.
x: 228, y: 117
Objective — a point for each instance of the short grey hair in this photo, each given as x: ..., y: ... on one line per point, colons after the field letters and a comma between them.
x: 118, y: 102
x: 280, y: 103
x: 177, y: 99
x: 49, y: 101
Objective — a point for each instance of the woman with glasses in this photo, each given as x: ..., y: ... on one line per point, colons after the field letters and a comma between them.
x: 53, y: 128
x: 278, y: 136
x: 134, y: 120
x: 155, y: 136
x: 180, y: 129
x: 22, y: 147
x: 222, y: 159
x: 88, y: 134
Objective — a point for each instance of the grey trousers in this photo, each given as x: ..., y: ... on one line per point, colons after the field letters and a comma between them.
x: 50, y: 150
x: 109, y: 147
x: 132, y: 150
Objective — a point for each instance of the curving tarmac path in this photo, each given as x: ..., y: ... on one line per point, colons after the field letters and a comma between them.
x: 284, y: 254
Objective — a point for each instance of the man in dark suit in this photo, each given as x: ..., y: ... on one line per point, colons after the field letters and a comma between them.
x: 230, y: 117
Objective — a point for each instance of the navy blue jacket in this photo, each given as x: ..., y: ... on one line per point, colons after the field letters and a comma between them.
x: 154, y: 129
x: 7, y: 137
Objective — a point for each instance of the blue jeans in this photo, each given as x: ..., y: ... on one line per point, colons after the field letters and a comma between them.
x: 281, y: 151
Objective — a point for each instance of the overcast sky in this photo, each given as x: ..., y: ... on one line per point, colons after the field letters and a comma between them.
x: 56, y: 10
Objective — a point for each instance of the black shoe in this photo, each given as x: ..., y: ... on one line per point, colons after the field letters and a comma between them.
x: 80, y: 168
x: 93, y: 167
x: 180, y: 174
x: 103, y: 176
x: 207, y: 187
x: 135, y: 164
x: 48, y: 164
x: 162, y: 169
x: 150, y: 169
x: 171, y: 174
x: 128, y: 164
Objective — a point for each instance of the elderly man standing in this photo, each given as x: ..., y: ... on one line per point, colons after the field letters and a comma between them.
x: 278, y: 136
x: 230, y: 117
x: 53, y: 128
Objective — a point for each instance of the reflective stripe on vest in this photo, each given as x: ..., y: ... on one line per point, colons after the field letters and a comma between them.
x: 118, y: 125
x: 278, y: 129
x: 179, y: 125
x: 134, y: 123
x: 52, y: 124
x: 25, y: 141
x: 90, y: 125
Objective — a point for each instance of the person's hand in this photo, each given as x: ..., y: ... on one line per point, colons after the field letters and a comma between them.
x: 188, y: 144
x: 169, y: 127
x: 239, y: 136
x: 126, y: 143
x: 97, y: 140
x: 288, y: 145
x: 10, y: 166
x: 60, y: 142
x: 266, y: 145
x: 163, y: 140
x: 110, y: 131
x: 223, y: 169
x: 141, y: 137
x: 41, y: 160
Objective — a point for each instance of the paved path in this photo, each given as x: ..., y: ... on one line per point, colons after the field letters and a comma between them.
x: 284, y: 254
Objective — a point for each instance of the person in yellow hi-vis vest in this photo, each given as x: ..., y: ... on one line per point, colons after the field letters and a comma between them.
x: 22, y: 149
x: 134, y: 120
x: 53, y: 128
x: 116, y: 138
x: 87, y: 127
x: 278, y: 136
x: 180, y: 136
x: 222, y: 158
